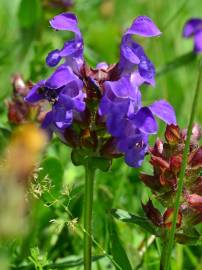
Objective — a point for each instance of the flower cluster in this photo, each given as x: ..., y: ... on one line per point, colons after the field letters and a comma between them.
x: 166, y: 159
x: 87, y: 102
x: 193, y: 28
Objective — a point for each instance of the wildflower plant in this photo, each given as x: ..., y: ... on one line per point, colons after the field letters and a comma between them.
x: 98, y: 112
x: 166, y: 160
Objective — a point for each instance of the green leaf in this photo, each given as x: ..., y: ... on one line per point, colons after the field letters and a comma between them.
x: 69, y: 262
x: 29, y: 13
x: 77, y: 157
x: 127, y: 217
x: 101, y: 163
x: 80, y: 157
x: 117, y: 249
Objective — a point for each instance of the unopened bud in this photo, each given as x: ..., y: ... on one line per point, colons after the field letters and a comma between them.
x: 195, y: 159
x: 195, y: 201
x: 168, y: 218
x: 153, y: 213
x: 172, y: 134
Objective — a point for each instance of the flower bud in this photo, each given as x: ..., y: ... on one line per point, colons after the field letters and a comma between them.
x: 195, y: 159
x: 158, y: 147
x: 172, y: 134
x: 153, y: 213
x: 196, y: 132
x: 196, y: 186
x: 160, y: 162
x: 195, y: 201
x: 175, y: 163
x: 151, y: 181
x: 168, y: 218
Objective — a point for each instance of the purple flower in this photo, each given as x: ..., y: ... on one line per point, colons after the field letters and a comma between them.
x: 193, y: 28
x: 64, y: 90
x: 107, y: 94
x: 132, y: 55
x: 128, y: 121
x: 72, y: 50
x: 135, y: 148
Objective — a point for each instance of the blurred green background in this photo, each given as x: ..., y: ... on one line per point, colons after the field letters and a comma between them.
x: 25, y: 40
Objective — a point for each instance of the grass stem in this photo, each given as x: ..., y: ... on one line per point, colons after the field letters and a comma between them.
x: 88, y: 207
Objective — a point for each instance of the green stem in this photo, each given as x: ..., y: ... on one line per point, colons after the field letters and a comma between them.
x: 175, y: 15
x: 176, y: 63
x: 166, y: 253
x: 88, y: 207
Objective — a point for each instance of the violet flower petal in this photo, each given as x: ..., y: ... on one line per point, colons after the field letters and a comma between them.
x: 134, y: 148
x: 164, y: 111
x: 135, y: 157
x: 34, y: 95
x: 61, y: 77
x: 132, y: 55
x: 66, y: 21
x: 61, y: 116
x: 143, y: 26
x: 53, y: 58
x: 145, y: 121
x: 198, y: 42
x: 116, y: 125
x: 122, y: 88
x: 192, y: 27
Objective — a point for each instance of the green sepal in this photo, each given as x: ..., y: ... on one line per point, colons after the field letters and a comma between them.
x: 82, y: 157
x: 100, y: 163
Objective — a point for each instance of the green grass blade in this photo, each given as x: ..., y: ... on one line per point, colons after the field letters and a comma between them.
x: 117, y: 249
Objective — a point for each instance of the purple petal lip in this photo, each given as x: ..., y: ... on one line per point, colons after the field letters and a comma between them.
x: 34, y: 95
x: 198, y: 42
x: 121, y: 89
x: 192, y: 27
x: 145, y: 121
x: 61, y: 77
x: 143, y: 26
x: 163, y: 110
x: 134, y: 148
x: 66, y: 21
x: 61, y: 116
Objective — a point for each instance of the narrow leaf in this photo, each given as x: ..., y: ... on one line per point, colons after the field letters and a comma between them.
x: 117, y: 249
x: 143, y: 222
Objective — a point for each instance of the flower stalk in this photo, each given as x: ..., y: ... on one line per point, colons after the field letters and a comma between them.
x: 88, y: 207
x: 166, y: 254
